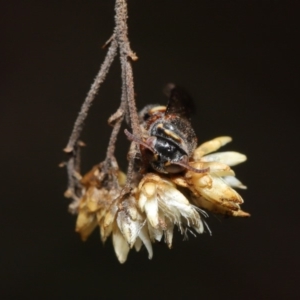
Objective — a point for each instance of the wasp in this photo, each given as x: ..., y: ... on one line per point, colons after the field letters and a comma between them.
x: 168, y: 138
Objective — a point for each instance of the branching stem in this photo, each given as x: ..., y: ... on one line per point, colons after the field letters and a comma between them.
x: 121, y: 32
x: 118, y: 40
x: 77, y: 129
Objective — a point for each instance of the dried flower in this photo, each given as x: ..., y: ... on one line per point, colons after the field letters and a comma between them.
x: 213, y: 190
x: 159, y: 202
x: 96, y: 205
x: 132, y: 225
x: 165, y: 206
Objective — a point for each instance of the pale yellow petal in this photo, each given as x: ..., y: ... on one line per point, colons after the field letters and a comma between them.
x: 144, y: 236
x: 219, y: 192
x: 200, y: 181
x: 100, y: 215
x: 138, y: 244
x: 105, y: 232
x: 178, y: 180
x: 110, y: 216
x: 120, y: 245
x: 149, y: 188
x: 211, y: 146
x: 121, y: 178
x: 85, y: 224
x: 229, y: 158
x: 142, y: 201
x: 151, y: 210
x: 241, y: 213
x: 92, y: 199
x: 234, y: 182
x: 213, y: 206
x: 218, y: 209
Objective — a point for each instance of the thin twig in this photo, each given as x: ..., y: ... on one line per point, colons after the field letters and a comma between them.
x: 111, y: 53
x: 113, y: 138
x: 120, y: 40
x: 108, y: 41
x: 73, y: 171
x: 121, y: 32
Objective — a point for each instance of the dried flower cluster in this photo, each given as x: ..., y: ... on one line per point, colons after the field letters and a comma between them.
x: 159, y: 202
x: 169, y: 181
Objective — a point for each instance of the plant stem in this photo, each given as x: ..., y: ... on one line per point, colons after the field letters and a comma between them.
x: 121, y: 32
x: 78, y: 126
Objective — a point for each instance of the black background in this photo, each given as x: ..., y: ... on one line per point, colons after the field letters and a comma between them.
x: 238, y: 60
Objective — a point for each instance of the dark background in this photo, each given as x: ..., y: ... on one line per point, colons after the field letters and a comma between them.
x: 238, y: 60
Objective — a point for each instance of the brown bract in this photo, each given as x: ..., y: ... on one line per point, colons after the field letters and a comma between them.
x: 213, y: 190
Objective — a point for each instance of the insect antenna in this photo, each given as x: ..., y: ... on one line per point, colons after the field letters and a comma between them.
x: 139, y: 141
x: 188, y: 167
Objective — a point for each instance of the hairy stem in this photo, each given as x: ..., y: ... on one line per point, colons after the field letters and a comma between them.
x: 121, y: 32
x: 120, y: 40
x: 77, y: 129
x: 73, y: 170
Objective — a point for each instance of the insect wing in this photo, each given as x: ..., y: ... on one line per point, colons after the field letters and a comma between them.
x: 180, y: 102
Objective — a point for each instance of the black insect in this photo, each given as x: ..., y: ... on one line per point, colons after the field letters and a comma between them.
x: 168, y: 139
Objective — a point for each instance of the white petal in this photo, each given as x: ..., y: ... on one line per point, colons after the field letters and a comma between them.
x: 229, y: 158
x: 120, y: 245
x: 144, y: 236
x: 174, y: 204
x: 129, y: 228
x: 172, y: 195
x: 155, y: 233
x: 148, y: 191
x: 142, y: 202
x: 169, y: 234
x: 220, y: 169
x: 211, y: 146
x: 234, y: 182
x: 151, y: 209
x: 138, y: 244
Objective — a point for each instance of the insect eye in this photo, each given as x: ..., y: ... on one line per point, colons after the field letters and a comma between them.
x: 146, y: 116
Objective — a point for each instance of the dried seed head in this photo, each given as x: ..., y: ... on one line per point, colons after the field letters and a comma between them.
x: 213, y: 191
